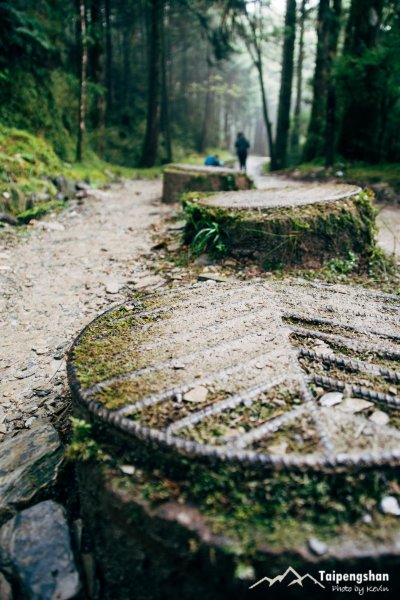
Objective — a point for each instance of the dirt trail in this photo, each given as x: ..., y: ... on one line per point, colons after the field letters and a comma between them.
x: 71, y: 267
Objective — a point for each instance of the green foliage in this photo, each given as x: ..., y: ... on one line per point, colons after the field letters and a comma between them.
x: 28, y: 164
x: 38, y: 210
x: 21, y: 36
x: 206, y: 231
x: 83, y: 447
x: 210, y: 238
x: 337, y: 266
x: 23, y: 155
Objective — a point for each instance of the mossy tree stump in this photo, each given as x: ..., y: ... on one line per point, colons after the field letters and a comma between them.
x: 226, y: 463
x: 179, y: 179
x: 301, y: 224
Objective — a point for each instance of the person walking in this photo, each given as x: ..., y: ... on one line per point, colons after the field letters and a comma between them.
x: 241, y: 145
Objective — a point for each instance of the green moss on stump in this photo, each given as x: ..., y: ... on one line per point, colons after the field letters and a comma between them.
x: 155, y: 534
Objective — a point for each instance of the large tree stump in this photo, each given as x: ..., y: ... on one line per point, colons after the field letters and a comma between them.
x: 227, y: 462
x: 306, y: 224
x: 179, y: 179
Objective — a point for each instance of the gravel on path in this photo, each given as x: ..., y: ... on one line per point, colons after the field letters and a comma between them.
x: 69, y: 268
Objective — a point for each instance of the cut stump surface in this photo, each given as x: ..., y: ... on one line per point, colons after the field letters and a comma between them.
x: 218, y: 397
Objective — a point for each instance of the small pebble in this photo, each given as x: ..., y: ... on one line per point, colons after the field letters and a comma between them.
x: 278, y: 448
x: 389, y: 506
x: 197, y: 394
x: 317, y: 547
x: 113, y: 287
x: 127, y: 469
x: 379, y: 417
x: 367, y: 519
x: 355, y: 405
x: 331, y: 399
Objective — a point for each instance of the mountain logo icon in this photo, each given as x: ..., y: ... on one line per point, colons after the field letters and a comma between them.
x: 298, y: 579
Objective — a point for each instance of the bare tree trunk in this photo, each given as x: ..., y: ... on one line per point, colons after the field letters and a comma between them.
x: 109, y: 73
x: 315, y: 145
x: 166, y: 123
x: 285, y: 93
x: 126, y: 45
x: 150, y: 146
x: 96, y: 69
x: 82, y: 96
x: 334, y: 30
x: 253, y: 42
x: 206, y: 116
x: 363, y: 25
x: 295, y: 137
x: 267, y: 122
x: 361, y: 120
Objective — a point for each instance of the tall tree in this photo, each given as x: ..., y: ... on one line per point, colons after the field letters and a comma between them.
x: 334, y: 30
x: 202, y: 141
x: 285, y: 93
x: 315, y: 143
x: 109, y: 74
x: 363, y: 25
x: 295, y: 134
x: 150, y: 146
x: 363, y: 78
x: 253, y: 35
x: 165, y: 109
x: 96, y: 63
x: 82, y: 87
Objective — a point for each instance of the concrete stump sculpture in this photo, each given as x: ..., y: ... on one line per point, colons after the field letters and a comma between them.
x: 179, y: 179
x: 222, y: 411
x: 301, y: 224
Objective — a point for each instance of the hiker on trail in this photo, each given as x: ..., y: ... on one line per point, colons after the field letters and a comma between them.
x: 241, y: 145
x: 212, y: 161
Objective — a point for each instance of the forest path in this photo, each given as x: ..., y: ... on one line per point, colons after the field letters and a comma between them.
x: 69, y: 268
x: 388, y: 215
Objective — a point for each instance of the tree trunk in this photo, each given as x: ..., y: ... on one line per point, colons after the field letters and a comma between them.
x: 285, y: 93
x: 166, y: 123
x: 82, y: 95
x: 150, y: 146
x: 315, y: 145
x: 267, y: 122
x: 201, y: 146
x: 363, y: 25
x: 109, y: 73
x: 295, y: 137
x: 126, y: 45
x: 334, y: 30
x: 97, y: 71
x: 362, y: 121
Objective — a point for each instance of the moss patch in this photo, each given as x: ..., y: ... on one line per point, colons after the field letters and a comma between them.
x: 277, y: 510
x: 28, y: 165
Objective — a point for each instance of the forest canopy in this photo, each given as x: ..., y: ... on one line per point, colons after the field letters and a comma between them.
x: 145, y: 82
